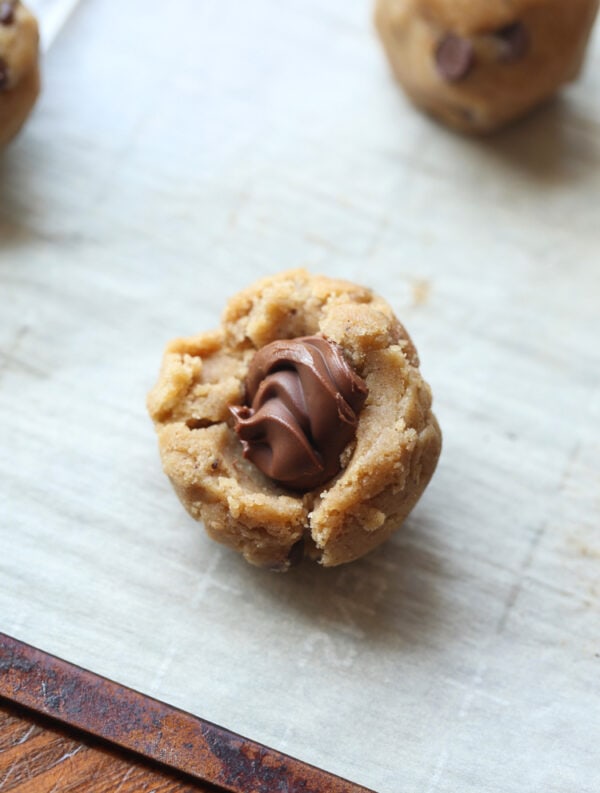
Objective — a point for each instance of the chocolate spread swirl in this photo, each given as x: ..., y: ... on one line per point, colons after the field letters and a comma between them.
x: 302, y: 405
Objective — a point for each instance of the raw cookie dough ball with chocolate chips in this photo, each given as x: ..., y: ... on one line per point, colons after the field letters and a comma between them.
x: 478, y: 64
x: 19, y: 70
x: 302, y: 426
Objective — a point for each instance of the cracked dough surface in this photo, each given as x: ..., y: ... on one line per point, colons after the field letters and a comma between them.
x: 19, y: 42
x: 385, y: 469
x: 497, y: 89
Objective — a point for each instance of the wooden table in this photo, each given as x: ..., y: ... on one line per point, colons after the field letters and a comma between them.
x: 38, y: 757
x: 52, y: 712
x: 175, y: 156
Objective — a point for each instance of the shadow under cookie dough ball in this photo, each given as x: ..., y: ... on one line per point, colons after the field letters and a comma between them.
x: 19, y: 67
x: 478, y: 64
x: 300, y: 427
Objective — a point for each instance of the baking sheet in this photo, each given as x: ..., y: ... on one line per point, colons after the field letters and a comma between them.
x: 174, y: 158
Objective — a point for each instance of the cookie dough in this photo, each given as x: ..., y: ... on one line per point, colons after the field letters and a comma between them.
x: 212, y: 383
x: 19, y: 69
x: 478, y: 64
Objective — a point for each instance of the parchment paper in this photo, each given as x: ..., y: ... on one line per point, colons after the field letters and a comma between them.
x: 181, y: 151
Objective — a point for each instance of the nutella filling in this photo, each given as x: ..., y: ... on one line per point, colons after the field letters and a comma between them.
x: 302, y: 406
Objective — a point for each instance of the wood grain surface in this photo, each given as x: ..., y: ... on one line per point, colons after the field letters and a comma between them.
x: 174, y: 157
x: 37, y: 756
x: 151, y: 731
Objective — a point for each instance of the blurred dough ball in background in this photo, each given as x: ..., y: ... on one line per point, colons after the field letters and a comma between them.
x: 19, y: 67
x: 479, y: 64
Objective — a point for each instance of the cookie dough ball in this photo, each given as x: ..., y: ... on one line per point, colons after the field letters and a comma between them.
x: 478, y: 64
x: 302, y: 426
x: 19, y: 70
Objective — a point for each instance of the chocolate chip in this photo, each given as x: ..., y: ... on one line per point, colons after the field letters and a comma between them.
x: 454, y: 57
x: 7, y: 13
x: 3, y: 75
x: 514, y: 40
